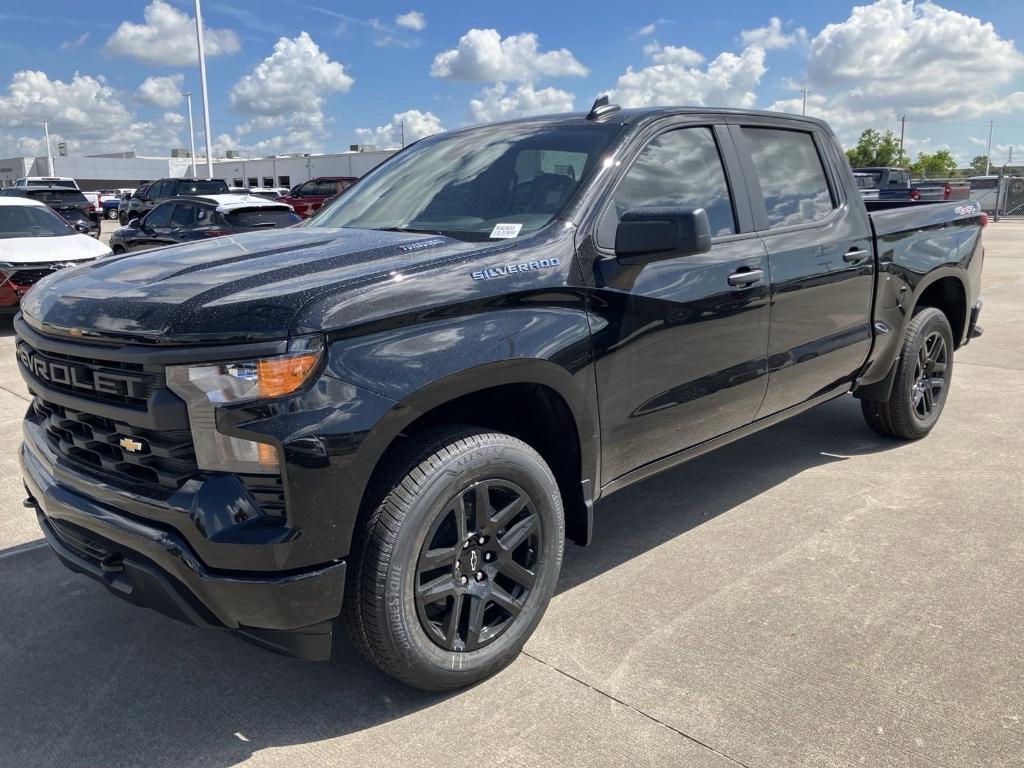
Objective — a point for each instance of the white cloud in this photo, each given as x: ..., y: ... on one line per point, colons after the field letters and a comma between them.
x: 78, y: 42
x: 174, y: 118
x: 772, y: 36
x: 413, y: 20
x: 483, y: 55
x: 649, y: 29
x: 676, y: 77
x: 926, y: 60
x: 168, y: 37
x: 161, y: 91
x: 499, y: 103
x: 412, y: 124
x: 296, y: 76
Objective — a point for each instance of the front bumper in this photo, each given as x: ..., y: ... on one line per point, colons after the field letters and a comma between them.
x: 289, y: 612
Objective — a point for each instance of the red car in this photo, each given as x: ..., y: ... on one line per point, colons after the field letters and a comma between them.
x: 306, y: 198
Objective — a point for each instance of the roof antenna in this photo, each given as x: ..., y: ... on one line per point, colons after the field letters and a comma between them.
x: 601, y: 108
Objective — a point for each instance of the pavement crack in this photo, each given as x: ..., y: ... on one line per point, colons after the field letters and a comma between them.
x: 16, y: 394
x: 640, y: 712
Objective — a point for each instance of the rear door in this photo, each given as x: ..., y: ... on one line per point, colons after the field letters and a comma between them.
x: 154, y: 229
x: 820, y: 259
x: 680, y: 342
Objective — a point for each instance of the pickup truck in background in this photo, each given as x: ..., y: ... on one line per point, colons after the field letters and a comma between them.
x: 392, y: 417
x: 306, y: 198
x: 896, y: 184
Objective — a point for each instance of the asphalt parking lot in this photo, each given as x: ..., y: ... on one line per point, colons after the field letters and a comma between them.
x: 812, y: 596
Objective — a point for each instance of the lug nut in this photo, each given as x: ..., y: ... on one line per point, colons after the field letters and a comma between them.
x: 481, y: 540
x: 488, y: 556
x: 465, y: 544
x: 464, y: 581
x: 479, y: 576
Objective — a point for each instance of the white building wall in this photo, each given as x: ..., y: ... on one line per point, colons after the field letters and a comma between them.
x: 298, y: 169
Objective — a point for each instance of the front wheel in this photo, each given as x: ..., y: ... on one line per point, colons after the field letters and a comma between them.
x: 458, y: 560
x: 921, y: 385
x: 122, y: 217
x: 112, y: 214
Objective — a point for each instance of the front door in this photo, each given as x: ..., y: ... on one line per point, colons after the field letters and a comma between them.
x: 680, y: 343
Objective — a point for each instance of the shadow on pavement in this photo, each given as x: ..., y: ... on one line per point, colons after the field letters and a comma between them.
x: 89, y: 680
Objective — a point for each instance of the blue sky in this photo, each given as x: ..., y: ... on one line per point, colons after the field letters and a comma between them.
x: 287, y: 75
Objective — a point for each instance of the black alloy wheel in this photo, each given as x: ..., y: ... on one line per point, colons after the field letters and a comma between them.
x: 477, y: 565
x: 929, y: 375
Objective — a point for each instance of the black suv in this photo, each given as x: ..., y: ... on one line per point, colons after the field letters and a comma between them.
x: 196, y: 218
x: 70, y: 204
x: 149, y: 195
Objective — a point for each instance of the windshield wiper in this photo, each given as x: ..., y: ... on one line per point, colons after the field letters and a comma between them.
x: 410, y: 229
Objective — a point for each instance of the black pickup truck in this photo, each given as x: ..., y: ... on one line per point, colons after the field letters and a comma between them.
x: 391, y: 417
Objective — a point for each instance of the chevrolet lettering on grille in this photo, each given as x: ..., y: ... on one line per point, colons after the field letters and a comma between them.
x: 80, y: 377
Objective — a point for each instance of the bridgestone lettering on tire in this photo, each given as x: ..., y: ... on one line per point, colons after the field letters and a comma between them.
x: 458, y: 557
x: 921, y: 385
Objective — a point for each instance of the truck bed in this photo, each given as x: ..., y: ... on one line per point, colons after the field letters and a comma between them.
x: 890, y: 217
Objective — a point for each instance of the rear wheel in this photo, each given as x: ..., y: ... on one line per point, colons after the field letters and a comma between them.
x: 922, y: 380
x: 456, y: 564
x: 117, y: 250
x: 122, y: 217
x: 112, y: 214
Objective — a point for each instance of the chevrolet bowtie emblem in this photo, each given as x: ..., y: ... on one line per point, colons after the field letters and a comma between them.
x: 130, y: 445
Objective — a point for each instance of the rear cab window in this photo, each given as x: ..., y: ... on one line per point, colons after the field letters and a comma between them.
x: 200, y: 187
x: 61, y: 196
x: 791, y: 176
x: 270, y: 218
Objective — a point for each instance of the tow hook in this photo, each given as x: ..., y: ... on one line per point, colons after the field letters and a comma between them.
x: 112, y: 564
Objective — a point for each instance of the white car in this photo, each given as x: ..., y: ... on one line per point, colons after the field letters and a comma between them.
x: 46, y: 181
x: 35, y: 241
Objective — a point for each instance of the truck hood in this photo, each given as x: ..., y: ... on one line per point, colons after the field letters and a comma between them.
x: 245, y: 287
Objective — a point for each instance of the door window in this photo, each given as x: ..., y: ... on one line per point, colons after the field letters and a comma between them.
x: 680, y: 168
x: 308, y: 188
x: 160, y: 216
x: 184, y: 215
x: 325, y: 188
x: 791, y: 175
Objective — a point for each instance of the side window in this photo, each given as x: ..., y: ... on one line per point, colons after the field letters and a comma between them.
x: 162, y: 190
x: 327, y: 188
x: 679, y: 168
x: 791, y: 176
x: 268, y: 181
x: 253, y: 182
x: 184, y: 215
x: 159, y: 216
x: 308, y: 188
x: 284, y: 181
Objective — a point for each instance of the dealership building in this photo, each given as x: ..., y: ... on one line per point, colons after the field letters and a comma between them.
x: 125, y: 169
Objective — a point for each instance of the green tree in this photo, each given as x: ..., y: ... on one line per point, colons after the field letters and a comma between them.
x: 937, y: 165
x: 876, y: 149
x: 979, y: 164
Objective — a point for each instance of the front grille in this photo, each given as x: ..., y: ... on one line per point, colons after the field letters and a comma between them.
x: 116, y: 450
x: 267, y: 491
x: 120, y: 383
x: 24, y: 277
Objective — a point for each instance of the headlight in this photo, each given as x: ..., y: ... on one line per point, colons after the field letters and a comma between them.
x: 204, y: 387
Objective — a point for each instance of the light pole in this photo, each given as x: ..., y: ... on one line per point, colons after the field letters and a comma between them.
x: 988, y: 153
x: 804, y: 109
x: 191, y: 134
x: 206, y: 100
x: 49, y: 154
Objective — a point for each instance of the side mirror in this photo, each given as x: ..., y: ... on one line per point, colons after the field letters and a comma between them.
x: 648, y: 234
x: 135, y: 223
x: 82, y: 228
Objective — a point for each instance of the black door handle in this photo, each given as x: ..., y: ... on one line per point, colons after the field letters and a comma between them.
x: 744, y: 277
x: 856, y: 255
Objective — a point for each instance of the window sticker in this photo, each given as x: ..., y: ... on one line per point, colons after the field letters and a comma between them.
x: 505, y: 231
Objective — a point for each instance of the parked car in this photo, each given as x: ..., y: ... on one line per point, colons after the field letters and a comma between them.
x: 397, y: 413
x: 112, y: 204
x: 306, y: 198
x: 46, y: 181
x: 35, y: 242
x: 895, y: 184
x: 149, y: 195
x: 71, y: 204
x: 196, y: 218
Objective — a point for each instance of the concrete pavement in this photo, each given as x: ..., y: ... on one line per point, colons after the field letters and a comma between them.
x: 811, y: 596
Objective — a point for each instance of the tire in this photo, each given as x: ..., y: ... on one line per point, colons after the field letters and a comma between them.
x: 123, y: 219
x: 921, y: 385
x: 117, y: 250
x: 465, y: 626
x: 112, y: 214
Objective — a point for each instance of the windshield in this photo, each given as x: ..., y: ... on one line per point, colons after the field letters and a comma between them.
x: 495, y: 181
x: 57, y: 196
x: 31, y: 221
x: 203, y: 187
x: 52, y: 183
